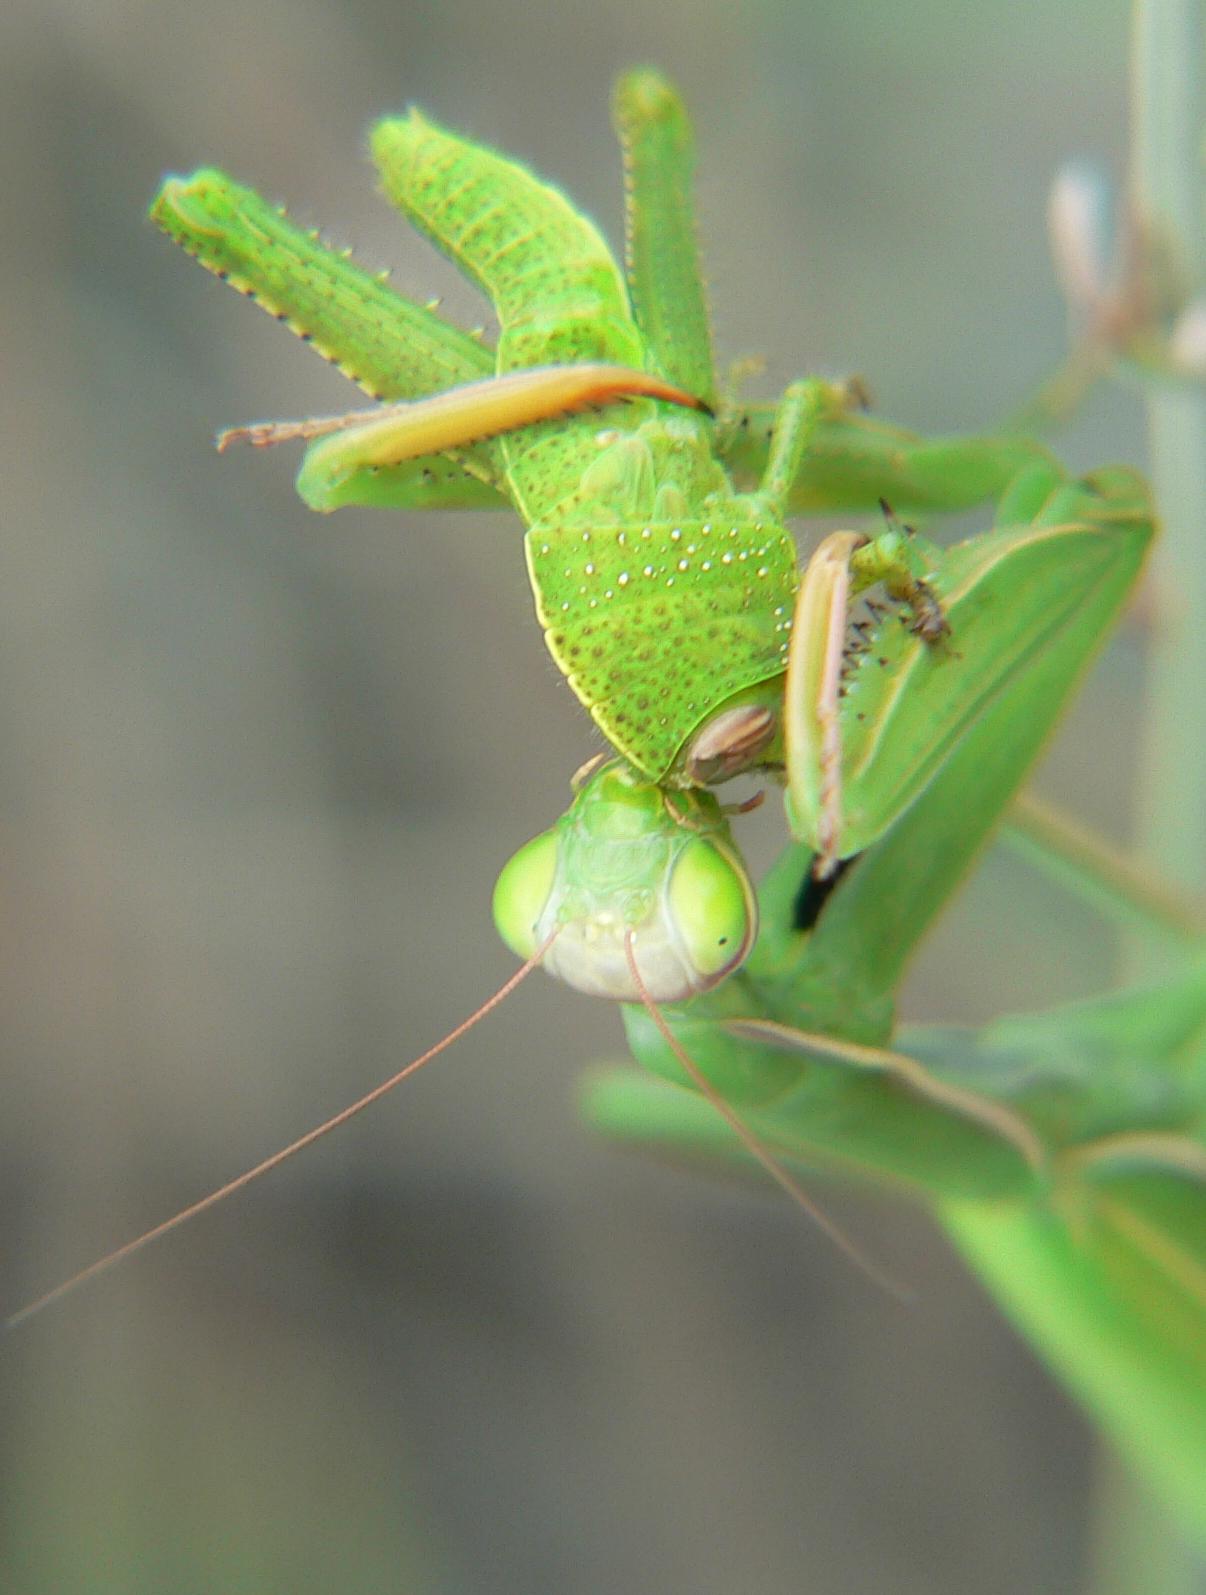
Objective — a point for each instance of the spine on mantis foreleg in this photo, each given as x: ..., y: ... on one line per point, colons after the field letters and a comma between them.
x: 661, y: 252
x: 393, y: 348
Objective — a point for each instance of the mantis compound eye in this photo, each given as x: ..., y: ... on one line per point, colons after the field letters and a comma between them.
x: 712, y: 910
x: 522, y: 892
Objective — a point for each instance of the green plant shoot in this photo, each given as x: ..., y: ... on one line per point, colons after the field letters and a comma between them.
x: 899, y: 691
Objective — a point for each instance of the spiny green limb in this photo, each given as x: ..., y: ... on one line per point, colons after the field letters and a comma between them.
x: 819, y: 663
x: 433, y: 482
x: 391, y: 347
x: 555, y: 287
x: 812, y: 732
x: 1060, y: 590
x: 661, y: 249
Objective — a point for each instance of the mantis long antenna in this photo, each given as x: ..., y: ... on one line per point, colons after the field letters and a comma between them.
x: 762, y: 1154
x: 277, y: 1158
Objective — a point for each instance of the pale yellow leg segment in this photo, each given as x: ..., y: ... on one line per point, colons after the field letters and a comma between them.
x: 393, y: 433
x: 845, y: 564
x: 812, y: 734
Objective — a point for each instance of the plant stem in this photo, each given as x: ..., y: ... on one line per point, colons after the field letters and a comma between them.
x: 1083, y: 863
x: 1137, y: 1549
x: 1135, y: 1552
x: 1168, y: 189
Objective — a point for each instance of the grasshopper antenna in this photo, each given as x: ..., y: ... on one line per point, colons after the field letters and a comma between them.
x: 755, y: 1147
x: 102, y: 1264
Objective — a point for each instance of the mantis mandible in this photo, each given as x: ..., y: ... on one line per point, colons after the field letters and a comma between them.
x: 667, y: 586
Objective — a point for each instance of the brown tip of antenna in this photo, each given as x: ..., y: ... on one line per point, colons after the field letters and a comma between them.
x: 762, y: 1154
x: 110, y: 1260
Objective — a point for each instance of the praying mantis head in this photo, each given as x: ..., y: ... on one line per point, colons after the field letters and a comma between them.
x: 631, y: 866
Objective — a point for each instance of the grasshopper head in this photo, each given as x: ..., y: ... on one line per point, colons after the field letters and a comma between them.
x: 627, y: 859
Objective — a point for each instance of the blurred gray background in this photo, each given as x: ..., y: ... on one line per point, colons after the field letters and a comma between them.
x: 261, y: 768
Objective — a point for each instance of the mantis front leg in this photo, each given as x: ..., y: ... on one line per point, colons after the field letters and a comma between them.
x: 845, y: 564
x: 908, y: 695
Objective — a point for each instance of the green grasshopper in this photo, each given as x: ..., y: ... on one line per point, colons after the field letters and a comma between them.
x: 1063, y: 1151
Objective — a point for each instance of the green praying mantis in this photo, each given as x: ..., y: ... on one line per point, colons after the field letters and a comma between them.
x: 899, y: 691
